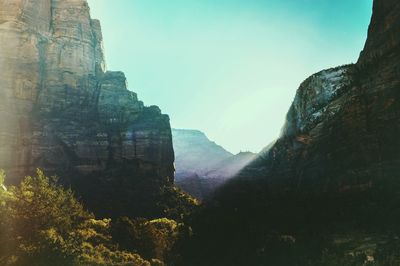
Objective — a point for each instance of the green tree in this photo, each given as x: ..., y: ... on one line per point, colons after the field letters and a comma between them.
x: 5, y: 221
x: 150, y: 238
x: 43, y: 224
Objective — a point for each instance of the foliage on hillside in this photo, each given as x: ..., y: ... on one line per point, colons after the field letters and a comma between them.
x: 41, y: 223
x: 120, y: 191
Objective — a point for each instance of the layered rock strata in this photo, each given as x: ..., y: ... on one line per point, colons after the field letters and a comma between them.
x: 59, y: 108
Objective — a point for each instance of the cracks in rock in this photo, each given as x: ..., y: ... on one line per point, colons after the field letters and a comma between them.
x: 42, y: 47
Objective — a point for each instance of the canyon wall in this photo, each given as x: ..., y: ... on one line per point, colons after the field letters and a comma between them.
x: 59, y: 108
x: 341, y: 132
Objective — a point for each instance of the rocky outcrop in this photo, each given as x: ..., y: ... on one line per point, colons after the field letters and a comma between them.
x: 59, y: 108
x: 341, y: 132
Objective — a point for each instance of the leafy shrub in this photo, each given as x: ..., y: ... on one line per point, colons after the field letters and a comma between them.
x: 151, y: 238
x: 43, y: 224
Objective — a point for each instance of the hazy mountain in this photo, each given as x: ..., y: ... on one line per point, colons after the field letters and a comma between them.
x: 195, y: 153
x: 201, y: 164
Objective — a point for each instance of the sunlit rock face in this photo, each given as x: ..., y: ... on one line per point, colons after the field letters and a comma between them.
x: 341, y: 132
x: 59, y: 108
x: 315, y: 100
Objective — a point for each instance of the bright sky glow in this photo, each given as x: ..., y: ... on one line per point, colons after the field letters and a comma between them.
x: 228, y: 67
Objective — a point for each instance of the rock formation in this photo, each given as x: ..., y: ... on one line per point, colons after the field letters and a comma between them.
x: 332, y: 174
x: 333, y: 171
x: 59, y: 108
x: 341, y: 132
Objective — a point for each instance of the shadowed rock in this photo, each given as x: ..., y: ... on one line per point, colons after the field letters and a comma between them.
x: 342, y: 129
x: 59, y: 108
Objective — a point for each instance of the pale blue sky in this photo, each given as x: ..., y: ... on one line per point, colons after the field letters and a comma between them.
x: 228, y: 67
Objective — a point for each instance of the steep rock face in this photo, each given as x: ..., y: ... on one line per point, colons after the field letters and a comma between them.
x: 314, y: 100
x: 333, y: 171
x: 59, y: 109
x: 384, y: 31
x: 342, y: 129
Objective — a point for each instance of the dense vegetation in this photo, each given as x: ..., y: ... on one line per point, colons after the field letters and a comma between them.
x: 126, y: 190
x: 42, y: 223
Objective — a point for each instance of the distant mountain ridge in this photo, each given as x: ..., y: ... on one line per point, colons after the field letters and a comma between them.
x: 201, y: 164
x: 195, y: 153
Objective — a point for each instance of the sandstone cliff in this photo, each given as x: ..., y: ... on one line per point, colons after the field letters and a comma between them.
x: 59, y: 108
x: 341, y: 132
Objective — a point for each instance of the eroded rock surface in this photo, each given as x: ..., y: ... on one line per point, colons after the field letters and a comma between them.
x: 342, y: 129
x: 59, y: 108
